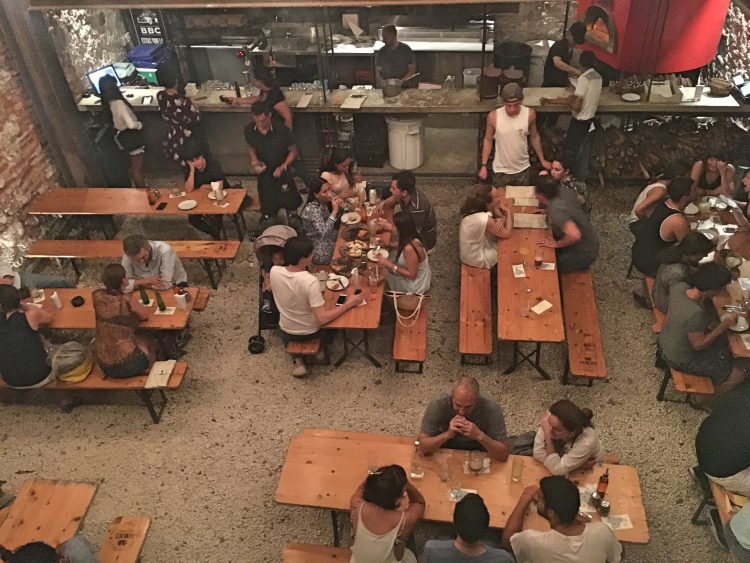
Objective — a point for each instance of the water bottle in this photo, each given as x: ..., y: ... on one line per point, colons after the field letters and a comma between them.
x: 417, y: 463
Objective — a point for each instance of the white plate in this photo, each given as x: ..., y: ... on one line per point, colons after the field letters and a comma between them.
x: 631, y: 97
x: 188, y: 204
x: 373, y: 256
x: 351, y: 218
x: 707, y: 258
x: 708, y: 234
x: 691, y: 209
x: 338, y: 283
x: 212, y: 195
x: 720, y: 206
x: 741, y: 325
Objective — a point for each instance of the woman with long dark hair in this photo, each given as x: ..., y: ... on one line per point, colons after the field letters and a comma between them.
x: 128, y: 130
x: 480, y: 228
x: 410, y: 272
x: 384, y: 511
x: 270, y: 93
x: 339, y: 173
x: 120, y: 352
x: 182, y: 116
x: 566, y: 439
x: 713, y: 175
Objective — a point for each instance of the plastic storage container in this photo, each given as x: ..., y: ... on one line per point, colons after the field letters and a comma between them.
x: 405, y: 143
x: 471, y: 75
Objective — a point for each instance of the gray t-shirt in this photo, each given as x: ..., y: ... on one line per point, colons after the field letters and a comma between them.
x: 443, y: 551
x: 685, y: 316
x: 667, y: 276
x: 487, y: 415
x: 394, y: 63
x: 563, y: 209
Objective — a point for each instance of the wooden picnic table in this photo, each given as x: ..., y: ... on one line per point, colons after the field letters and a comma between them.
x: 105, y: 249
x: 83, y: 317
x: 85, y: 202
x: 365, y: 317
x: 323, y: 468
x: 516, y: 295
x: 48, y: 511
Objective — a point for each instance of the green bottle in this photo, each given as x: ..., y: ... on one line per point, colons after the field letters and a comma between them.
x: 144, y: 297
x: 160, y: 301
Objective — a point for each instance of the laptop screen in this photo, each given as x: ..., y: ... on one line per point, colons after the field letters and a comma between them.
x: 95, y: 75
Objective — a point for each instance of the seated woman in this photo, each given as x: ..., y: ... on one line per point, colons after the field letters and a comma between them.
x: 320, y: 220
x: 479, y: 229
x: 561, y: 171
x: 23, y: 358
x: 384, y: 511
x: 120, y: 352
x: 410, y: 273
x: 677, y: 263
x: 694, y: 340
x: 339, y: 174
x: 713, y: 175
x: 566, y: 439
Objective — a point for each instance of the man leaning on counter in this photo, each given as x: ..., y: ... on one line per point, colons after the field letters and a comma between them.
x: 395, y: 59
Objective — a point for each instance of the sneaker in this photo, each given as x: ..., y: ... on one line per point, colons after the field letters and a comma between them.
x: 717, y: 528
x: 299, y: 370
x: 266, y: 308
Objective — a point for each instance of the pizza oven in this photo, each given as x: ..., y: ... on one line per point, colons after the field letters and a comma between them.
x: 653, y: 36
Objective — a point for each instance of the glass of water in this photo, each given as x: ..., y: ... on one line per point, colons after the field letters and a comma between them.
x: 455, y: 492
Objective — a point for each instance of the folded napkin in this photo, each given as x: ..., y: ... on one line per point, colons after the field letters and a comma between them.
x: 159, y: 374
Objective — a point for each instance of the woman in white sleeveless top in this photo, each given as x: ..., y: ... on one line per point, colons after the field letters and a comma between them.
x: 384, y: 511
x: 485, y: 218
x: 410, y: 268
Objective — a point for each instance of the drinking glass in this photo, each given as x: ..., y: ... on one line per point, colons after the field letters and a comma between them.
x: 476, y: 461
x: 373, y: 279
x: 372, y: 462
x: 455, y: 491
x: 516, y: 470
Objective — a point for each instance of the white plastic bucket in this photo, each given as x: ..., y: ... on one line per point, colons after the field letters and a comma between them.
x: 405, y: 143
x: 471, y: 75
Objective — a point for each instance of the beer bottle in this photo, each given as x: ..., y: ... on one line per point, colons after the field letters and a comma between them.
x: 144, y: 297
x: 601, y: 486
x: 160, y: 301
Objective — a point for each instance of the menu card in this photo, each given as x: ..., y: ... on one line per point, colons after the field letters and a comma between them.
x: 529, y: 221
x: 520, y: 192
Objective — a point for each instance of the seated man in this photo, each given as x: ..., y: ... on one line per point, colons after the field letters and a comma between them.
x: 693, y: 339
x: 302, y: 310
x: 665, y: 226
x: 558, y: 501
x: 574, y: 239
x: 471, y: 520
x: 404, y: 193
x: 26, y: 280
x: 151, y: 264
x: 464, y: 420
x: 23, y: 358
x: 202, y: 171
x: 722, y: 445
x: 656, y: 192
x: 319, y: 220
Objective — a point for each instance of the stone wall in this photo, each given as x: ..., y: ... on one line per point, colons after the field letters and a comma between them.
x: 87, y: 39
x: 534, y: 20
x: 734, y: 50
x: 25, y: 168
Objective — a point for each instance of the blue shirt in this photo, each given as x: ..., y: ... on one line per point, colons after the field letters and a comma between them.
x: 443, y: 551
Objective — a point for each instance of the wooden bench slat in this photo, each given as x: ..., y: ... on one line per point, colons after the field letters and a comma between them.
x: 304, y: 348
x: 124, y: 540
x: 201, y: 300
x: 659, y: 317
x: 97, y: 380
x: 585, y: 352
x: 687, y: 383
x: 410, y: 343
x: 306, y: 553
x: 475, y: 322
x: 103, y: 249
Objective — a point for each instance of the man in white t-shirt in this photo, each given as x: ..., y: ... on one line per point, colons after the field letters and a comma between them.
x: 301, y: 306
x: 509, y: 130
x: 569, y: 541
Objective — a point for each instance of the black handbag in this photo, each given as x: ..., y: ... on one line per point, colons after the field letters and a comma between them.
x: 130, y: 139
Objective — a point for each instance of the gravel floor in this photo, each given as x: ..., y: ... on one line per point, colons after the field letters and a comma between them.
x: 207, y: 474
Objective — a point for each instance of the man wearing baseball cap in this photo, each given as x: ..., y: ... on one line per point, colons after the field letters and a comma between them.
x: 510, y: 128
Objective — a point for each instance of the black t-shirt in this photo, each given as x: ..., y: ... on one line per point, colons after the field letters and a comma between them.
x: 394, y: 63
x: 272, y: 96
x: 211, y: 173
x: 553, y: 76
x: 722, y: 445
x: 271, y: 148
x: 23, y: 359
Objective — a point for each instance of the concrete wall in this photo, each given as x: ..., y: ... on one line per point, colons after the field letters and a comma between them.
x: 25, y: 168
x: 87, y: 39
x: 534, y: 20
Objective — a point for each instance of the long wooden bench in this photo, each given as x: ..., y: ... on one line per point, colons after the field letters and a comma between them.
x: 307, y: 553
x: 410, y: 343
x: 475, y: 320
x: 97, y: 381
x: 685, y: 383
x: 125, y: 538
x: 659, y: 317
x: 308, y: 349
x: 211, y: 254
x: 585, y: 352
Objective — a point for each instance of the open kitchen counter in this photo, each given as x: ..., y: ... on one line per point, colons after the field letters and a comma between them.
x: 464, y: 100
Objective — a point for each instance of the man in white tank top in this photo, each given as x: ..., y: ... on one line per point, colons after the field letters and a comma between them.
x: 509, y: 130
